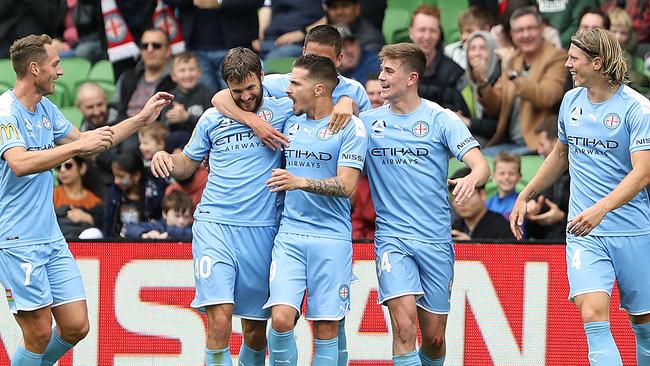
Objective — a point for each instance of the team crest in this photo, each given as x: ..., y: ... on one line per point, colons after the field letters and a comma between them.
x: 612, y: 121
x: 115, y: 28
x: 420, y: 129
x: 265, y: 114
x: 344, y: 292
x: 46, y: 122
x: 324, y: 134
x: 165, y: 22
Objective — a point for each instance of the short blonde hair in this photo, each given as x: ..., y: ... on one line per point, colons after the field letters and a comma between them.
x: 507, y: 157
x: 602, y: 43
x: 619, y: 17
x: 157, y: 131
x: 26, y: 50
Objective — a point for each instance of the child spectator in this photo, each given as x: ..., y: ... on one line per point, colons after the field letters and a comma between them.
x: 78, y: 209
x: 191, y: 97
x: 135, y: 196
x: 475, y: 221
x: 507, y: 172
x: 152, y: 139
x: 621, y: 26
x: 177, y: 211
x: 192, y: 186
x: 474, y: 19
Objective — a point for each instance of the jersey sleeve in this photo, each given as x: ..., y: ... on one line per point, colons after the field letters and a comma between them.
x: 561, y: 130
x: 456, y: 135
x: 354, y: 145
x: 639, y: 125
x: 363, y: 100
x: 283, y: 110
x: 9, y: 135
x: 275, y: 85
x: 199, y: 145
x: 61, y: 125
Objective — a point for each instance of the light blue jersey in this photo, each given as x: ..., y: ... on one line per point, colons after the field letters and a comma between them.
x: 275, y: 85
x: 240, y: 164
x: 407, y: 164
x: 26, y: 203
x: 600, y: 139
x: 315, y: 152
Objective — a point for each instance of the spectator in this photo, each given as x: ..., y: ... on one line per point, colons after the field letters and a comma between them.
x: 138, y: 15
x: 283, y: 26
x: 564, y: 16
x: 193, y: 185
x: 546, y: 216
x: 88, y: 20
x: 593, y: 18
x: 507, y: 173
x: 483, y: 70
x: 621, y: 26
x: 211, y: 28
x: 373, y: 11
x: 440, y: 82
x: 136, y: 86
x: 363, y: 212
x: 373, y: 89
x: 78, y: 209
x: 639, y: 12
x: 191, y: 97
x: 348, y: 12
x: 22, y: 18
x: 152, y: 139
x: 473, y: 19
x: 475, y: 221
x: 134, y: 196
x: 96, y: 112
x: 531, y: 88
x: 356, y: 63
x: 177, y: 210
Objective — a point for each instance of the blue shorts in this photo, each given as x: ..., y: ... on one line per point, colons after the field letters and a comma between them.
x: 594, y: 262
x: 231, y: 266
x: 40, y: 275
x: 322, y: 266
x: 413, y: 267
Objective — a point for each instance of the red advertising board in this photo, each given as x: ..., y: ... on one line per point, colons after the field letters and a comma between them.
x: 508, y: 303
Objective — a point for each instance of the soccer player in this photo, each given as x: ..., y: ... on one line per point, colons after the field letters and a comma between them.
x: 323, y: 40
x: 604, y: 141
x: 313, y: 248
x: 38, y: 272
x: 408, y: 148
x: 236, y: 220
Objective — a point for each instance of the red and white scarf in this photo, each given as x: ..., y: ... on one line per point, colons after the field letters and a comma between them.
x: 121, y: 44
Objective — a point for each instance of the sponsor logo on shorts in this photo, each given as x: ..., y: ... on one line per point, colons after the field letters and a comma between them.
x: 10, y: 295
x: 344, y: 292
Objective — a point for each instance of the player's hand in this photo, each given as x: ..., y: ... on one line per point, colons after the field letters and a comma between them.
x: 586, y: 221
x: 341, y: 114
x: 282, y: 180
x: 459, y: 235
x: 154, y: 106
x: 534, y: 207
x: 177, y: 114
x: 290, y: 37
x: 550, y: 217
x: 161, y: 164
x: 97, y: 140
x: 517, y: 216
x: 464, y: 188
x: 269, y: 136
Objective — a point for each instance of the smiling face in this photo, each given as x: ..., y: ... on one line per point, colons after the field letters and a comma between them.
x: 526, y: 33
x: 373, y: 88
x: 477, y: 49
x: 580, y: 66
x: 154, y: 49
x: 186, y: 73
x: 247, y: 94
x: 394, y: 79
x: 343, y: 12
x: 48, y: 71
x: 506, y: 176
x: 425, y: 32
x: 92, y: 103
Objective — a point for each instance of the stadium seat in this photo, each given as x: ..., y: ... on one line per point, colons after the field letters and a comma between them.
x: 73, y: 115
x: 59, y: 97
x: 450, y: 11
x: 529, y: 166
x: 395, y: 20
x: 279, y: 65
x: 409, y: 5
x: 102, y: 71
x: 7, y: 74
x: 4, y: 87
x: 75, y: 70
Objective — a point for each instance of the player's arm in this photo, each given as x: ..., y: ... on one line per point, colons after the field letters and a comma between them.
x: 555, y: 164
x: 23, y: 162
x: 178, y: 165
x: 341, y: 185
x: 269, y: 136
x: 464, y: 187
x: 343, y: 110
x: 636, y: 180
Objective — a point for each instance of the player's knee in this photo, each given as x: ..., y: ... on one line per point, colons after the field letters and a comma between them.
x: 38, y: 337
x: 73, y: 333
x: 593, y: 314
x: 255, y: 337
x: 219, y: 329
x: 433, y: 340
x: 283, y: 321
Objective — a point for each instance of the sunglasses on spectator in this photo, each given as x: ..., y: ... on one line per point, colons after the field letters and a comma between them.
x: 67, y: 166
x: 155, y: 45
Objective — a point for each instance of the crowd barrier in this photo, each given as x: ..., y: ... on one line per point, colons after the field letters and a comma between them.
x: 509, y: 307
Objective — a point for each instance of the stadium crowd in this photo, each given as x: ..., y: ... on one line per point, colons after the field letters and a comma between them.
x: 499, y: 65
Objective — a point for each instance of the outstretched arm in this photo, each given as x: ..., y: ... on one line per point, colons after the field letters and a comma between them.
x: 341, y: 185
